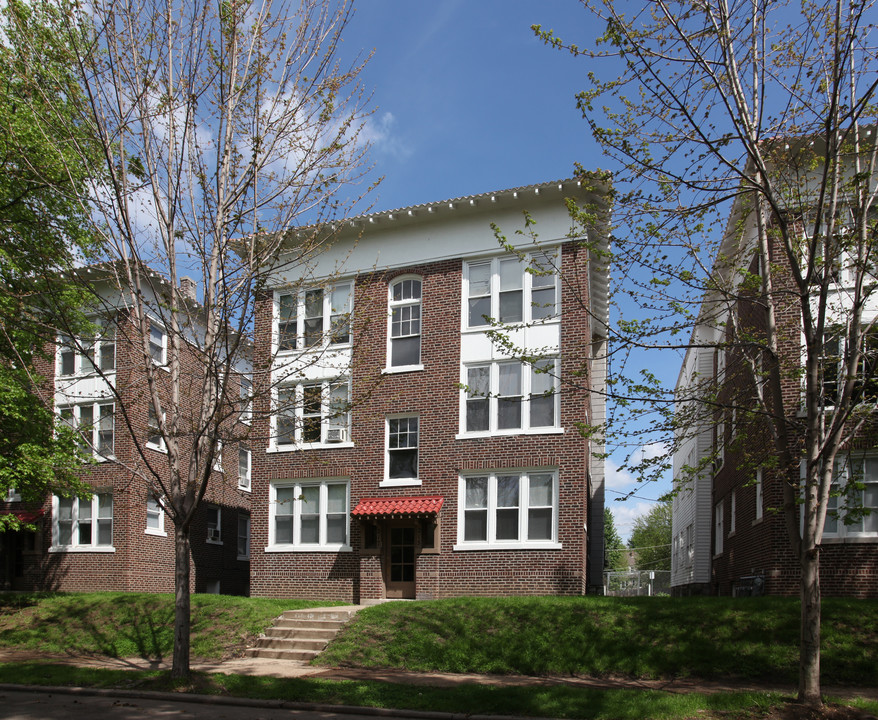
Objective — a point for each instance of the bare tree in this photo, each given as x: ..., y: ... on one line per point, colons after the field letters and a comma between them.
x: 221, y: 126
x: 742, y: 136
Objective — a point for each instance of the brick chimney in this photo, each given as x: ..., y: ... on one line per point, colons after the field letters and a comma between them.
x: 188, y: 288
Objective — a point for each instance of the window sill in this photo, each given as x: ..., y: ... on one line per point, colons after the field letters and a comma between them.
x: 871, y: 538
x: 309, y: 446
x: 460, y: 547
x: 401, y: 369
x: 717, y: 556
x: 308, y: 548
x: 519, y: 324
x: 157, y: 533
x: 82, y: 549
x: 157, y: 448
x: 757, y: 521
x: 509, y: 433
x: 313, y: 349
x: 243, y: 558
x: 400, y: 482
x: 213, y: 542
x: 246, y: 489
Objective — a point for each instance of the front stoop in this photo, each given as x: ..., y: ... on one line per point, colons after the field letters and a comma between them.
x: 300, y: 634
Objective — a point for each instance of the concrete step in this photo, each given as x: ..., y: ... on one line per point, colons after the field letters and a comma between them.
x: 300, y: 633
x: 275, y: 654
x: 341, y: 616
x: 297, y: 624
x: 288, y: 644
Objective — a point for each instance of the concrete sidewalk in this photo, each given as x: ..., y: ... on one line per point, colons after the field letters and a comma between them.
x: 290, y: 669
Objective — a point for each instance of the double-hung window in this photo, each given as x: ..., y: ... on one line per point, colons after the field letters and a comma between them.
x: 718, y: 528
x: 309, y: 515
x: 312, y: 413
x: 832, y: 365
x: 853, y: 503
x: 214, y: 524
x: 82, y: 524
x: 96, y: 353
x: 402, y: 449
x: 405, y: 323
x: 155, y: 517
x: 508, y: 508
x: 246, y: 394
x: 154, y: 438
x: 243, y: 468
x: 510, y: 396
x: 511, y: 289
x: 243, y: 536
x: 158, y: 344
x: 95, y: 423
x: 314, y: 317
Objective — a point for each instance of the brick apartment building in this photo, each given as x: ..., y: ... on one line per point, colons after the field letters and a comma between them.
x: 728, y: 527
x: 406, y: 454
x: 120, y: 538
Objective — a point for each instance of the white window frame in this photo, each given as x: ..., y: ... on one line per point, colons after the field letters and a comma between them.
x: 12, y: 495
x: 161, y: 362
x: 402, y: 481
x: 160, y: 446
x: 529, y: 285
x: 400, y: 305
x: 245, y: 391
x: 95, y: 348
x: 93, y: 443
x: 218, y: 456
x: 718, y: 528
x: 759, y: 490
x: 845, y: 532
x: 491, y: 542
x: 528, y: 373
x: 95, y: 505
x: 331, y: 316
x: 732, y: 509
x: 159, y: 513
x: 245, y: 537
x: 215, y: 537
x: 296, y: 513
x: 244, y: 481
x: 328, y: 420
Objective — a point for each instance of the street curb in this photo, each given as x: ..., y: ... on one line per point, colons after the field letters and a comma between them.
x: 197, y: 699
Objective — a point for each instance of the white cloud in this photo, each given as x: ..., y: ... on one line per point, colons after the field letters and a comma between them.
x: 626, y: 512
x: 380, y: 133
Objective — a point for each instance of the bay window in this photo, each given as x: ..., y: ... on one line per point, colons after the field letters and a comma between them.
x: 81, y: 524
x: 95, y: 423
x: 312, y: 413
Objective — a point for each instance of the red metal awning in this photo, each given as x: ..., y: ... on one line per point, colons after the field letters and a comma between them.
x: 390, y: 507
x: 27, y: 516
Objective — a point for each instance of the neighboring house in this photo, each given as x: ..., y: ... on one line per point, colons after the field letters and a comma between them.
x: 120, y: 539
x: 403, y: 453
x: 728, y: 524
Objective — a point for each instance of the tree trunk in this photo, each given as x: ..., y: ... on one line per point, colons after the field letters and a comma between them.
x: 809, y: 647
x: 180, y: 668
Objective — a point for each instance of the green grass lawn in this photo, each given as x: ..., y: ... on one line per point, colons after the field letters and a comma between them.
x: 752, y: 638
x: 134, y: 624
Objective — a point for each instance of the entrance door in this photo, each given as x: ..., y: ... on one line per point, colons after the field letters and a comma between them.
x: 399, y: 570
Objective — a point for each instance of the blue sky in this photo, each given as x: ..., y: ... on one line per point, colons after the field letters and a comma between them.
x: 468, y: 101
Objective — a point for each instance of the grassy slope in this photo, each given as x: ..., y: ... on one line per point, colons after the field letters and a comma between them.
x: 134, y: 624
x: 756, y: 639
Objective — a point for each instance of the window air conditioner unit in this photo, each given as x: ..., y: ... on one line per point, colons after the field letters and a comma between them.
x: 336, y: 435
x: 213, y: 534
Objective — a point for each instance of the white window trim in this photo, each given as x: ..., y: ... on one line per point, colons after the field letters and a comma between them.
x: 246, y: 397
x: 12, y: 495
x: 219, y: 526
x: 96, y: 405
x: 275, y: 447
x: 462, y: 545
x: 844, y: 533
x: 82, y: 366
x: 240, y: 517
x: 527, y: 288
x: 274, y: 547
x: 718, y: 528
x: 93, y: 547
x: 160, y: 530
x: 732, y: 509
x: 494, y: 380
x: 387, y: 481
x: 218, y: 457
x: 248, y: 484
x: 391, y: 304
x: 759, y: 497
x: 164, y: 360
x: 300, y: 319
x: 161, y: 446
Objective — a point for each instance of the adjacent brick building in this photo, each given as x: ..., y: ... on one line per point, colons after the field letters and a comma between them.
x: 120, y: 539
x: 729, y: 532
x: 406, y: 454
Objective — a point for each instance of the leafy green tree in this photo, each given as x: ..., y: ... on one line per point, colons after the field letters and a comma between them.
x: 651, y: 538
x: 43, y: 232
x: 614, y: 554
